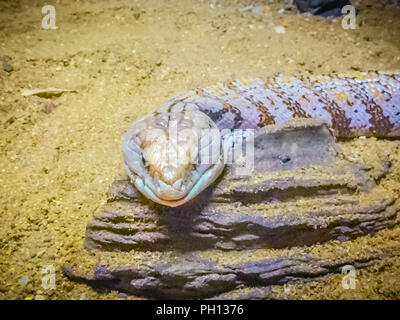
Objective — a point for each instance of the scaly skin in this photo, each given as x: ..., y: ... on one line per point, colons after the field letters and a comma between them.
x: 159, y: 162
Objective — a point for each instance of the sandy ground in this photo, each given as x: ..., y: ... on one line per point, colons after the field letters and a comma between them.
x: 123, y: 58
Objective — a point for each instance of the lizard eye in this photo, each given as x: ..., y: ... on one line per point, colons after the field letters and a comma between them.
x: 161, y: 123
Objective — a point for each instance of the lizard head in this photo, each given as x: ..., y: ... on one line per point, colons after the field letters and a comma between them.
x: 172, y: 156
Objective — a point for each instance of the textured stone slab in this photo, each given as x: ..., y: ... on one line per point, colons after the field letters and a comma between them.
x: 302, y: 191
x: 201, y: 279
x: 257, y: 213
x: 292, y: 144
x: 272, y: 209
x: 295, y: 197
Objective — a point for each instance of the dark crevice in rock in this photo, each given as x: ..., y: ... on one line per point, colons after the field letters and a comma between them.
x: 248, y: 195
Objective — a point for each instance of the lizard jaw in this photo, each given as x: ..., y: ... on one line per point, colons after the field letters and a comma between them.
x: 205, y: 180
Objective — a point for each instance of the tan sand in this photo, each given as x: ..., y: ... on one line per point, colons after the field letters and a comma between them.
x: 123, y: 58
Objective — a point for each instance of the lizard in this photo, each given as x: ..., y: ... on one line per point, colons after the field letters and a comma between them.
x: 162, y: 150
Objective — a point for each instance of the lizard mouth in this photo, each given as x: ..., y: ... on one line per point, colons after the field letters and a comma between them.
x: 171, y: 197
x: 172, y: 157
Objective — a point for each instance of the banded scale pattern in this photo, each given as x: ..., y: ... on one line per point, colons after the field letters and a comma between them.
x: 355, y: 106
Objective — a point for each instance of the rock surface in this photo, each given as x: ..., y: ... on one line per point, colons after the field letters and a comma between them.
x: 339, y: 200
x: 191, y: 279
x: 293, y: 144
x: 317, y: 194
x: 127, y: 225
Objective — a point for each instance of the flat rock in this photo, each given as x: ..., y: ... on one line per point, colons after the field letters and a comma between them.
x: 315, y: 195
x: 303, y: 191
x: 202, y: 279
x: 263, y: 212
x: 292, y: 144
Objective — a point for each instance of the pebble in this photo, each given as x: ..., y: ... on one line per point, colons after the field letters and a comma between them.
x: 7, y: 67
x: 245, y: 8
x: 48, y: 106
x: 280, y: 29
x: 257, y: 10
x: 24, y: 280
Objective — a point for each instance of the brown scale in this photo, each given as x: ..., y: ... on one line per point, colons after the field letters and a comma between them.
x: 340, y: 123
x: 226, y: 106
x: 381, y: 124
x: 293, y: 106
x: 265, y: 118
x: 229, y: 84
